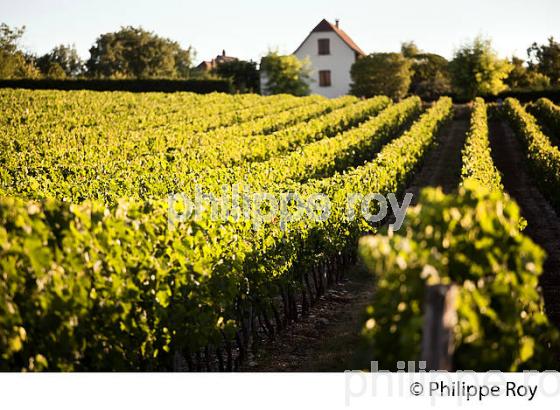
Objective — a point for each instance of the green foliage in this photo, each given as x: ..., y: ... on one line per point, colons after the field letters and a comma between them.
x: 175, y: 152
x: 323, y: 122
x: 431, y: 77
x: 9, y: 37
x: 162, y: 85
x: 522, y: 77
x: 55, y: 71
x: 543, y: 157
x: 545, y: 59
x: 79, y: 292
x: 526, y: 96
x: 536, y: 80
x: 409, y: 49
x: 472, y: 240
x: 14, y: 63
x: 87, y: 288
x: 285, y: 74
x: 326, y: 123
x: 381, y: 74
x: 476, y: 70
x: 322, y: 158
x: 476, y: 156
x: 135, y: 53
x: 329, y: 155
x: 244, y: 75
x: 62, y: 59
x: 546, y: 112
x: 388, y: 172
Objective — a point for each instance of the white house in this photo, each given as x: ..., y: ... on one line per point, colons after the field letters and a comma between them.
x: 331, y: 53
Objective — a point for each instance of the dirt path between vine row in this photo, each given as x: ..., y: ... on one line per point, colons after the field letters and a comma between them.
x: 327, y: 339
x: 442, y: 165
x: 543, y: 224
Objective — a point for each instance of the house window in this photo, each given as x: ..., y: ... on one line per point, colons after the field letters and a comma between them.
x: 324, y: 78
x: 324, y: 46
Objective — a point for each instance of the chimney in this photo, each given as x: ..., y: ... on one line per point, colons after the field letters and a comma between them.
x: 336, y: 22
x: 223, y: 53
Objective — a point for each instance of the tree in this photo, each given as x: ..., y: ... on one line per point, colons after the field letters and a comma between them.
x: 14, y: 63
x: 523, y: 77
x: 381, y: 73
x: 135, y: 53
x: 63, y: 58
x: 243, y: 74
x: 284, y: 74
x: 431, y: 76
x: 517, y: 78
x: 476, y: 69
x: 183, y: 61
x: 409, y: 49
x: 545, y: 59
x: 537, y: 80
x: 55, y: 71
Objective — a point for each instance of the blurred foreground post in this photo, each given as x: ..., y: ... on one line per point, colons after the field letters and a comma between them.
x: 440, y: 317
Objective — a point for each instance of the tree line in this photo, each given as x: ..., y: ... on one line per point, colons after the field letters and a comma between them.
x: 134, y: 53
x: 128, y: 53
x: 475, y: 69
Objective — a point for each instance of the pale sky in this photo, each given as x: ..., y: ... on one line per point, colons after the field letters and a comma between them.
x: 248, y: 28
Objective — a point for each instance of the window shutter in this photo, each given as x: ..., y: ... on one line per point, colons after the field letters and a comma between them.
x: 324, y: 45
x: 324, y: 78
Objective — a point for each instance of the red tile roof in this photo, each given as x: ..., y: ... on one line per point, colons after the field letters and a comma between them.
x: 212, y: 64
x: 324, y: 25
x: 205, y: 66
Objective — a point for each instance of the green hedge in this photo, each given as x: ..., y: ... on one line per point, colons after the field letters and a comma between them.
x: 525, y: 96
x: 144, y: 85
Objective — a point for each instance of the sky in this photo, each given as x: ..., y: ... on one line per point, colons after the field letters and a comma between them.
x: 247, y: 29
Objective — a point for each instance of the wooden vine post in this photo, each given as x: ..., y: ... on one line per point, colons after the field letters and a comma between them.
x: 440, y: 317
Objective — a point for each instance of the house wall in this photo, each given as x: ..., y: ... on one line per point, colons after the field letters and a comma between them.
x: 338, y: 62
x: 263, y: 83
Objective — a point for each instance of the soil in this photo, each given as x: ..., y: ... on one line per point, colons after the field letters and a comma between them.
x: 442, y: 165
x: 326, y: 339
